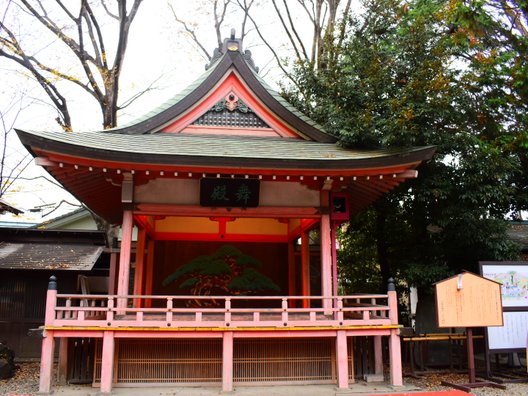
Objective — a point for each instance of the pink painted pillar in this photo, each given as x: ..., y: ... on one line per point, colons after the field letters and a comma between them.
x: 140, y: 266
x: 342, y: 359
x: 124, y: 260
x: 46, y: 362
x: 396, y: 374
x: 107, y: 362
x: 326, y: 255
x: 227, y: 362
x: 48, y: 342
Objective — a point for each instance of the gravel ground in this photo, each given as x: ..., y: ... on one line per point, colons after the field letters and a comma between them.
x: 432, y: 382
x: 25, y: 383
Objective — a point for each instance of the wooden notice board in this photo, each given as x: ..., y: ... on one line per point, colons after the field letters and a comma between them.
x: 468, y: 300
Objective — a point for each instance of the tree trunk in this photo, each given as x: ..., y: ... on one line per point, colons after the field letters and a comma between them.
x: 381, y: 242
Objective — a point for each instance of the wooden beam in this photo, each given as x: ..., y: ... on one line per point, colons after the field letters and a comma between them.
x: 43, y: 161
x: 195, y: 210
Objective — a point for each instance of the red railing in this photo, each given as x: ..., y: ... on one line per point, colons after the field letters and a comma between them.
x: 74, y: 310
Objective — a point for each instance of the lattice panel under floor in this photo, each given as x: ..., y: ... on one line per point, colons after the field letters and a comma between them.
x: 166, y: 361
x: 284, y: 360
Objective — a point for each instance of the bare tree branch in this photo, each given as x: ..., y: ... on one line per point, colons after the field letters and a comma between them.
x: 7, y: 178
x: 22, y: 59
x: 65, y: 9
x: 108, y: 12
x: 515, y: 16
x: 97, y: 43
x: 219, y: 19
x: 43, y: 178
x: 192, y: 33
x: 286, y: 28
x: 132, y: 99
x: 99, y: 79
x: 245, y: 6
x: 18, y: 168
x: 57, y: 206
x: 274, y: 53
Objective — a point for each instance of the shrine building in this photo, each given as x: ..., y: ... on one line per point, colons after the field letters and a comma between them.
x: 233, y: 280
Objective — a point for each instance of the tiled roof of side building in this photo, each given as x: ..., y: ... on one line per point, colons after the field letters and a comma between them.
x: 48, y: 256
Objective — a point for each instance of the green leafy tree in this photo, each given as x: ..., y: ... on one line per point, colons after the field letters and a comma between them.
x: 409, y: 74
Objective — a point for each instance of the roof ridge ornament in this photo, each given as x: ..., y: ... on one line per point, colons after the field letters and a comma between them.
x: 232, y: 44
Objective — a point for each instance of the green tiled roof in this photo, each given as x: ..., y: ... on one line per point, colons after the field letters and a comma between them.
x: 180, y: 148
x: 167, y: 104
x: 287, y: 104
x: 172, y: 109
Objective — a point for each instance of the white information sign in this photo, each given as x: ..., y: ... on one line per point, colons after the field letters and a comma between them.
x: 513, y: 277
x: 513, y: 335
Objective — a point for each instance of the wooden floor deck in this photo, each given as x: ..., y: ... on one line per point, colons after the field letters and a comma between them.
x: 233, y: 325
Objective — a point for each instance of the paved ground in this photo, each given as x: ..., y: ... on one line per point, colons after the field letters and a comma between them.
x: 25, y: 383
x: 307, y: 390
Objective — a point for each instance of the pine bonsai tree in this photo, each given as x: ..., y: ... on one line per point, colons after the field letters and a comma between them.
x: 227, y: 271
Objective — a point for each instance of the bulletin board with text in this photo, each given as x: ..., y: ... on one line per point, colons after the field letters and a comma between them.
x: 513, y: 277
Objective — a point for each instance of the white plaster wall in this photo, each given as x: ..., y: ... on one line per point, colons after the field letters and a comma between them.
x: 287, y: 194
x: 187, y: 192
x: 169, y: 191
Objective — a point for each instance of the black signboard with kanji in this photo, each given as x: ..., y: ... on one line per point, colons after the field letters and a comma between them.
x: 230, y: 193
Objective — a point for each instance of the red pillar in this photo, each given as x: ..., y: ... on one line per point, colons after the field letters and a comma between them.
x: 305, y: 268
x: 139, y: 271
x: 149, y: 272
x: 333, y: 239
x: 292, y: 284
x: 124, y: 260
x: 326, y: 254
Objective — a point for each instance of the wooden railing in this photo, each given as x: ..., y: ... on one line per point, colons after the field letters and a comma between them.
x: 104, y: 311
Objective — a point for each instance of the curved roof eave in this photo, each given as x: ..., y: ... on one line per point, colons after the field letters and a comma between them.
x: 223, y: 151
x: 155, y: 120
